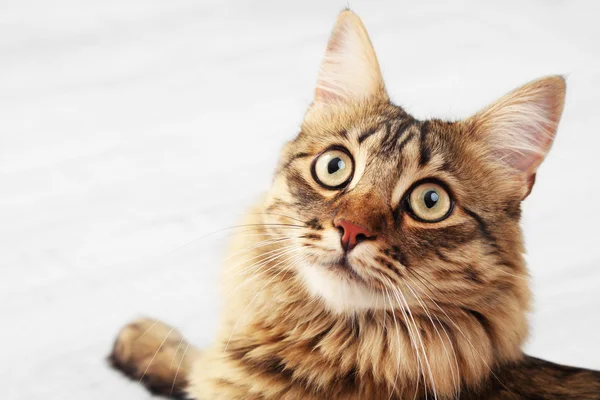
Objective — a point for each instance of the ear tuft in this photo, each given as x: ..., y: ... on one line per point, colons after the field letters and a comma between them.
x: 520, y: 127
x: 350, y: 71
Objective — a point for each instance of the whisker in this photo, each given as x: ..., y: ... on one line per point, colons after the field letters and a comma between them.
x: 249, y: 279
x: 178, y: 368
x: 447, y: 335
x: 418, y: 276
x: 176, y: 351
x: 267, y: 256
x: 413, y: 341
x: 398, y: 341
x: 145, y: 333
x: 257, y: 226
x: 525, y: 278
x: 279, y: 215
x: 155, y: 354
x: 399, y: 292
x: 454, y: 379
x: 257, y: 245
x: 260, y: 264
x: 250, y: 303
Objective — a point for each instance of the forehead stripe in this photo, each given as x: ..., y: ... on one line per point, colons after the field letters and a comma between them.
x: 425, y: 154
x: 390, y: 143
x: 294, y: 158
x: 363, y: 136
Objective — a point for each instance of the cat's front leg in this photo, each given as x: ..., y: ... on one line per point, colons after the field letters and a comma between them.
x: 156, y: 355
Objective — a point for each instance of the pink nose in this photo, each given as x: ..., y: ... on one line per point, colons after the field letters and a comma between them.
x: 352, y: 234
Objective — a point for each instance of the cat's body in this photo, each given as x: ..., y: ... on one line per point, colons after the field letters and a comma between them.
x: 384, y: 263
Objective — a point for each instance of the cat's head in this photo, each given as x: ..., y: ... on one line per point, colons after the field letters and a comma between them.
x: 380, y: 208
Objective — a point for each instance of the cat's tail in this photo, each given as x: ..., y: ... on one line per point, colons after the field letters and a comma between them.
x: 156, y: 355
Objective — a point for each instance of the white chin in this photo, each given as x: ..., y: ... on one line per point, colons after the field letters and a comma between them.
x: 340, y: 294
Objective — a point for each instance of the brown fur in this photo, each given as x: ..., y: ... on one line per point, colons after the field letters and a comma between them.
x: 420, y: 310
x: 156, y: 355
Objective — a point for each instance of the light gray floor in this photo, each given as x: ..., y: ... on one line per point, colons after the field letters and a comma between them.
x: 130, y: 128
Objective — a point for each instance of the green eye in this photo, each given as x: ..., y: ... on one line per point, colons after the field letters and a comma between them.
x: 333, y: 168
x: 430, y: 202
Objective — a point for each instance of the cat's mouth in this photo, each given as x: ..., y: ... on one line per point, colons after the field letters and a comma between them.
x: 344, y: 268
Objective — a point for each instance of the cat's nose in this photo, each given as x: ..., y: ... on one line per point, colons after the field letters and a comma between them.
x: 352, y: 234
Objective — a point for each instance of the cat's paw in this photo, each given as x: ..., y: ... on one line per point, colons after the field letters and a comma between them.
x: 154, y: 354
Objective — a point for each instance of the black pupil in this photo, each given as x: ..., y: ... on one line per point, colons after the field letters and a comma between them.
x: 431, y: 198
x: 334, y: 165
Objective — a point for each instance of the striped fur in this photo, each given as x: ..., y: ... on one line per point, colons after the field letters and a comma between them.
x: 422, y: 310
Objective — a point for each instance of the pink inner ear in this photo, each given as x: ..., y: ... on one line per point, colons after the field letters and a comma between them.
x: 325, y: 96
x: 539, y: 134
x: 521, y: 126
x: 349, y: 72
x: 522, y: 161
x: 536, y: 138
x: 322, y: 94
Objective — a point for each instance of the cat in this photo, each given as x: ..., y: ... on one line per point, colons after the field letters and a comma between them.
x: 385, y: 262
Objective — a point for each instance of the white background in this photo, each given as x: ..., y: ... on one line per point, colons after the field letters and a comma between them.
x: 130, y: 128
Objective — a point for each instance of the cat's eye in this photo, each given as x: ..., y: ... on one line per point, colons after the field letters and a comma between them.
x: 429, y: 202
x: 333, y: 168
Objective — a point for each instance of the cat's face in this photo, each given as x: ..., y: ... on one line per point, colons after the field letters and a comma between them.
x: 387, y: 209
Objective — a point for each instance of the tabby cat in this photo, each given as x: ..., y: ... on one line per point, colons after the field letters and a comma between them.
x: 385, y: 262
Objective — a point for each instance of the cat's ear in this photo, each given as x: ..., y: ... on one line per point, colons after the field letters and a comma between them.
x: 519, y: 128
x: 350, y: 71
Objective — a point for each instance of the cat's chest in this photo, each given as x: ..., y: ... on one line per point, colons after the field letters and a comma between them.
x: 329, y: 358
